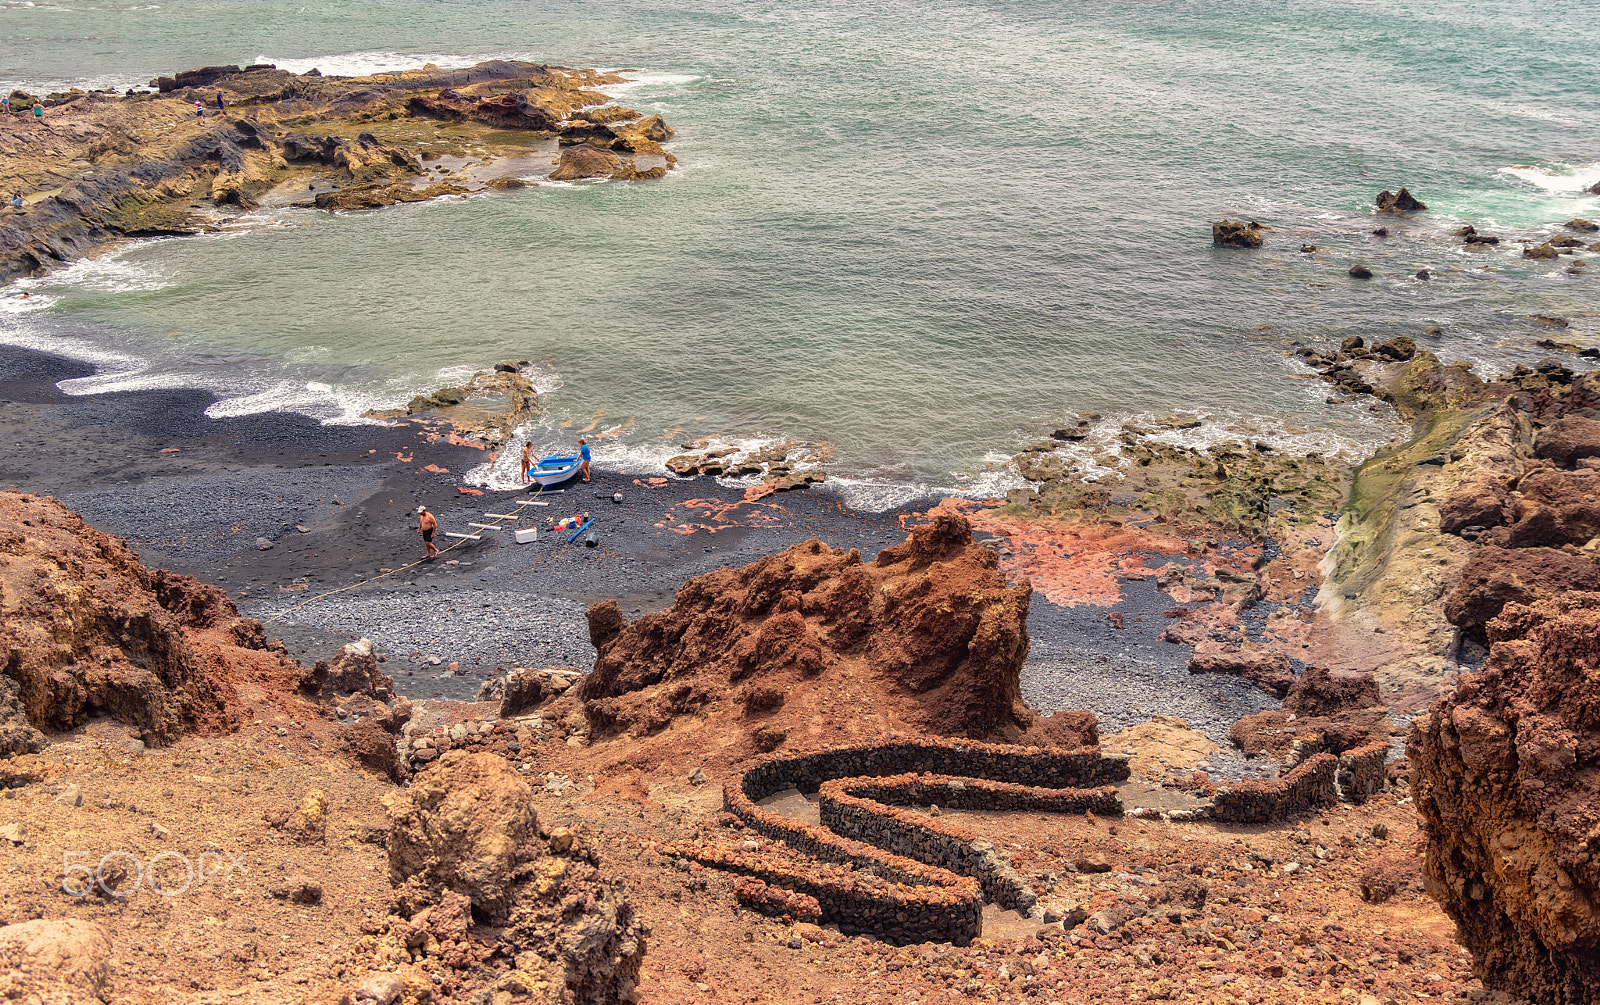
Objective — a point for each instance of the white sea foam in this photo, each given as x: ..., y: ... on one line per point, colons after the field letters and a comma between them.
x: 362, y: 64
x: 106, y: 273
x: 1561, y: 180
x: 25, y: 305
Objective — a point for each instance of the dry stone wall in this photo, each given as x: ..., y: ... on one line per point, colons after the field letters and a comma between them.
x: 894, y: 872
x: 1261, y: 801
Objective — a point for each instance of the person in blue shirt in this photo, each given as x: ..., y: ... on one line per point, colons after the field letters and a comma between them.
x: 583, y: 455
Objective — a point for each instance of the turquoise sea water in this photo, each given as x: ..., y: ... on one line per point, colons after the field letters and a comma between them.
x: 922, y: 233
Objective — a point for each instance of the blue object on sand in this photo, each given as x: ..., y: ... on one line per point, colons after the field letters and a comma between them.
x: 580, y: 530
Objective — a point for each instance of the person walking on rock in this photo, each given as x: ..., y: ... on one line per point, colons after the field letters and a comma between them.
x: 199, y: 112
x: 426, y: 525
x: 5, y: 104
x: 221, y: 105
x: 583, y: 455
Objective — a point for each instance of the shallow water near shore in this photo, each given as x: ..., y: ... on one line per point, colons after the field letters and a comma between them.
x: 923, y: 235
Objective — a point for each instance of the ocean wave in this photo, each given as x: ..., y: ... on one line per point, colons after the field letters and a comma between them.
x: 1562, y: 179
x: 106, y: 273
x: 363, y: 64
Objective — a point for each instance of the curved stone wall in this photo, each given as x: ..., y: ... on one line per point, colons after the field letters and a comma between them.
x: 894, y: 872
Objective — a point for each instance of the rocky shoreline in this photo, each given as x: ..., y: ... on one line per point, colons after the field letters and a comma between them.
x: 100, y: 167
x: 1215, y: 617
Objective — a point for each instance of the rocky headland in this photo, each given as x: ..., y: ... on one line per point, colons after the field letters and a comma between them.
x: 789, y: 751
x: 99, y: 167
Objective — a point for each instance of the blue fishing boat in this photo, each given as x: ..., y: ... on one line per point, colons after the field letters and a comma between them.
x: 554, y: 470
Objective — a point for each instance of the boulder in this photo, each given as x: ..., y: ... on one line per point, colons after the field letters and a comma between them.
x: 353, y: 671
x: 1234, y: 234
x: 1553, y: 508
x: 1582, y: 226
x: 1268, y: 669
x: 1359, y: 271
x: 1568, y: 440
x: 1504, y: 777
x: 59, y: 957
x: 470, y: 864
x: 1494, y: 577
x: 1477, y: 502
x: 1399, y: 202
x: 605, y: 624
x: 584, y: 161
x: 1543, y: 252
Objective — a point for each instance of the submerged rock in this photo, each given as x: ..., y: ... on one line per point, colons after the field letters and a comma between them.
x: 1234, y: 234
x: 1399, y: 202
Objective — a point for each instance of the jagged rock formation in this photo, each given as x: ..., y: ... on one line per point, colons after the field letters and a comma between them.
x: 1399, y: 202
x: 87, y: 631
x: 927, y: 638
x: 136, y: 164
x: 1323, y: 711
x: 1233, y: 234
x: 1507, y: 782
x: 484, y: 889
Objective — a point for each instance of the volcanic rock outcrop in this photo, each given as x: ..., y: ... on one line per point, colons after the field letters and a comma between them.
x: 1507, y: 782
x: 814, y: 647
x: 1323, y: 711
x: 516, y: 908
x: 87, y: 631
x: 115, y: 166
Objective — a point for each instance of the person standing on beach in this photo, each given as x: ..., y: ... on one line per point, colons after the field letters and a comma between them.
x: 426, y: 525
x: 527, y: 462
x: 583, y: 455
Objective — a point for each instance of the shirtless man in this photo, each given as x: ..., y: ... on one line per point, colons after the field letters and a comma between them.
x: 426, y: 525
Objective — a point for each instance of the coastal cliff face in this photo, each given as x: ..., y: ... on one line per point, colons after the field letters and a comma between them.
x: 99, y: 167
x: 813, y: 647
x: 87, y: 631
x: 1508, y: 788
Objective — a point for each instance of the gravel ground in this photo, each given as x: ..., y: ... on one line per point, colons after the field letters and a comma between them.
x: 188, y: 519
x: 1126, y: 675
x: 194, y: 494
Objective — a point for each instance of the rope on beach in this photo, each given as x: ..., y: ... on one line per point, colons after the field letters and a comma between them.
x: 384, y: 575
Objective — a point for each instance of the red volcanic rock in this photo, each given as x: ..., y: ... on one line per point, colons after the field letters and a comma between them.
x: 1494, y: 577
x: 87, y: 630
x: 1507, y: 783
x: 1555, y: 508
x: 1568, y: 439
x: 822, y: 648
x: 471, y: 866
x: 1333, y: 712
x: 1477, y: 502
x: 1267, y: 669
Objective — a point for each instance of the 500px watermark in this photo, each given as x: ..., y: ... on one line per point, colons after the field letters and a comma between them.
x: 121, y: 873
